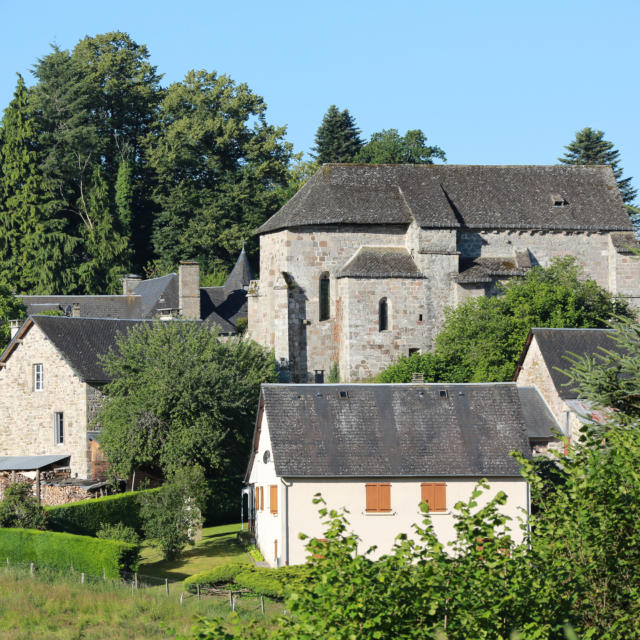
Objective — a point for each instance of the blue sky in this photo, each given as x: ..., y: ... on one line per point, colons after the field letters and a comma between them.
x: 490, y: 82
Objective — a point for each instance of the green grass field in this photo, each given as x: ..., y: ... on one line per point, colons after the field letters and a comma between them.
x: 217, y: 546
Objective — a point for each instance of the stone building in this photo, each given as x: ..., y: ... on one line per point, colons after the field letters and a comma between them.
x: 51, y: 385
x: 542, y: 365
x: 357, y: 268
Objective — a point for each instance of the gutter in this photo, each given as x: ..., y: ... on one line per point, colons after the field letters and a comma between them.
x: 286, y: 520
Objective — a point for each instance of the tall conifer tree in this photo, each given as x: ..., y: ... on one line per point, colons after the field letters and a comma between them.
x: 338, y: 137
x: 590, y: 148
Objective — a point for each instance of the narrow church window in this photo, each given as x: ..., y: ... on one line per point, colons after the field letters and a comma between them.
x: 325, y: 297
x: 58, y: 427
x: 383, y: 315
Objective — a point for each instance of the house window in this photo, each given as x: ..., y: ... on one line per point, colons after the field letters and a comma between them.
x: 378, y: 497
x: 383, y: 315
x: 38, y: 377
x: 58, y: 427
x: 413, y: 350
x: 435, y: 495
x: 273, y: 498
x: 325, y: 297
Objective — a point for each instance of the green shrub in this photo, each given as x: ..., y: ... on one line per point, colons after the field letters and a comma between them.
x: 118, y: 531
x: 223, y: 503
x: 262, y: 581
x: 64, y: 550
x: 222, y: 574
x: 88, y: 516
x: 18, y: 508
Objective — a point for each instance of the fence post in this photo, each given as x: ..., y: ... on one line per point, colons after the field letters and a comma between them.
x: 82, y: 578
x: 233, y: 603
x: 231, y: 599
x: 7, y: 563
x: 135, y: 576
x: 104, y: 574
x: 198, y: 589
x: 166, y: 585
x: 31, y: 569
x: 262, y: 604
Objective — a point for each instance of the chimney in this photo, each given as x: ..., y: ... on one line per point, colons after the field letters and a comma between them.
x: 129, y: 283
x: 189, y: 289
x: 75, y: 310
x: 15, y: 325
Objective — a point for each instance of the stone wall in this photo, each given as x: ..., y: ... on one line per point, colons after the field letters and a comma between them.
x: 27, y: 416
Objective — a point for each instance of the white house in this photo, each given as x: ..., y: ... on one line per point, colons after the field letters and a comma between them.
x: 379, y: 450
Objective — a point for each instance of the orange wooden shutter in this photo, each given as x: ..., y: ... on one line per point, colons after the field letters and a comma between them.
x: 384, y: 497
x: 273, y: 498
x: 372, y: 497
x: 260, y: 498
x: 435, y: 495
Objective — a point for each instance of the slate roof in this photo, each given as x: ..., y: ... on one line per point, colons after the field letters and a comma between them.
x: 555, y: 344
x: 90, y: 306
x: 30, y: 463
x: 479, y: 270
x: 156, y: 294
x: 241, y: 275
x: 81, y: 341
x: 457, y: 196
x: 380, y: 262
x: 395, y: 430
x: 541, y: 424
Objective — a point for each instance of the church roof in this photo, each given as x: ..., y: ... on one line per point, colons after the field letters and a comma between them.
x: 380, y: 262
x: 558, y: 197
x: 396, y: 430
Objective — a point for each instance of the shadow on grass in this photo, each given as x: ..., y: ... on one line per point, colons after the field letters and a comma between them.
x: 214, y: 549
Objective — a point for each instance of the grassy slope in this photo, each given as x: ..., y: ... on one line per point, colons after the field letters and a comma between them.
x: 217, y: 546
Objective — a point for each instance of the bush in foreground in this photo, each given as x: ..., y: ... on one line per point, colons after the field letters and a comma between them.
x: 19, y: 508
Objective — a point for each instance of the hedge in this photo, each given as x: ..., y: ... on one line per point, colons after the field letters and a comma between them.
x: 267, y: 582
x: 221, y: 574
x: 86, y: 517
x: 65, y: 550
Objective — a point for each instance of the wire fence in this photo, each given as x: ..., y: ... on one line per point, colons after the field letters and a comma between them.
x: 133, y: 583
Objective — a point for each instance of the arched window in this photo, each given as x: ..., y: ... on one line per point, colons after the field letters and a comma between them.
x: 383, y: 315
x: 325, y: 297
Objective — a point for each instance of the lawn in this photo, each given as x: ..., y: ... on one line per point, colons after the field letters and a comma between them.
x: 217, y: 546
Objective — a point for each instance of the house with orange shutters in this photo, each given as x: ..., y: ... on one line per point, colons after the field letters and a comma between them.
x: 379, y: 450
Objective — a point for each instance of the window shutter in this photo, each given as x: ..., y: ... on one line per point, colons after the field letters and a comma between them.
x: 384, y: 497
x: 372, y: 497
x: 261, y: 498
x: 435, y: 495
x: 273, y: 498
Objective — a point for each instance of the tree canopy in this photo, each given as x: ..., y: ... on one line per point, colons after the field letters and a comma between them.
x: 589, y: 147
x: 337, y: 138
x: 181, y: 396
x: 389, y: 147
x: 482, y: 339
x: 104, y: 172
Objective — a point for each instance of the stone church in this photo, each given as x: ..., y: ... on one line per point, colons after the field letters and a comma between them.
x: 357, y: 268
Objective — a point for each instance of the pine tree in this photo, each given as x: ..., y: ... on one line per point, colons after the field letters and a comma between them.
x: 590, y: 148
x: 337, y: 138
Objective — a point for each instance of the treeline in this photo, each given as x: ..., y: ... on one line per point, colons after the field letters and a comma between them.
x: 103, y: 171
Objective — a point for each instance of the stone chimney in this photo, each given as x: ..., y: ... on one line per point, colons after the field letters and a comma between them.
x: 129, y: 283
x: 15, y: 325
x: 189, y: 289
x: 75, y: 310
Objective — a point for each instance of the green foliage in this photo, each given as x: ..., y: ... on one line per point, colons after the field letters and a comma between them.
x: 173, y: 514
x: 261, y: 581
x: 11, y: 308
x: 180, y: 397
x: 222, y: 574
x: 299, y: 172
x: 334, y: 373
x: 219, y: 167
x: 87, y: 517
x: 19, y: 508
x: 118, y: 531
x: 337, y: 137
x: 64, y: 550
x: 482, y: 339
x: 590, y: 147
x: 223, y: 505
x: 389, y: 147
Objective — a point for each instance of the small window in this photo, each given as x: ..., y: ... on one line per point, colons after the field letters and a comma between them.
x: 413, y: 350
x: 383, y: 315
x: 378, y: 497
x: 558, y: 200
x: 58, y: 427
x: 325, y: 297
x: 344, y: 394
x: 435, y: 495
x: 38, y: 377
x: 443, y: 393
x: 419, y: 317
x: 266, y: 458
x: 273, y: 498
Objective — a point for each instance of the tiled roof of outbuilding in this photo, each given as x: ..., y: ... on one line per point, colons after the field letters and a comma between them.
x: 395, y: 430
x: 454, y: 196
x: 477, y: 270
x: 540, y: 421
x: 90, y: 306
x: 380, y: 262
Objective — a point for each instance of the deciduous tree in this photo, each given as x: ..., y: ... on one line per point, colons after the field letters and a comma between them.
x: 389, y: 147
